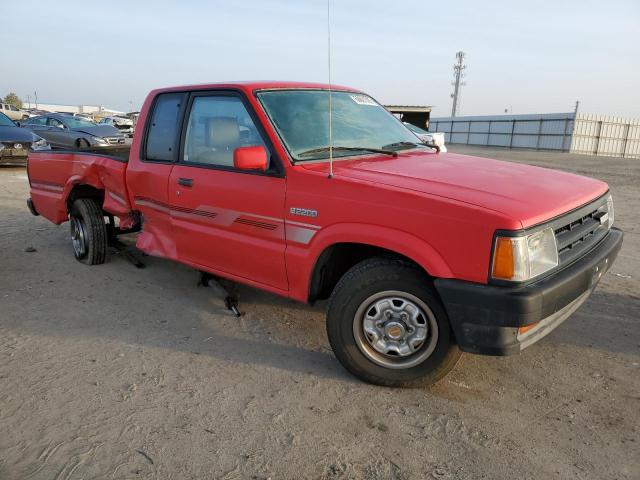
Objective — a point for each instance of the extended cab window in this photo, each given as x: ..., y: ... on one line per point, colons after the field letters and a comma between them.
x: 162, y: 136
x: 217, y: 126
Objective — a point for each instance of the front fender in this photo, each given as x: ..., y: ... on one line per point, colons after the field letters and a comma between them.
x: 301, y: 259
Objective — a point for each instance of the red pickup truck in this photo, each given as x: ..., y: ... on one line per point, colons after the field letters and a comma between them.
x: 421, y: 254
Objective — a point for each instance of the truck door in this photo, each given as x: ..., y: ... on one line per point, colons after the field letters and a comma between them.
x: 148, y: 175
x: 227, y: 220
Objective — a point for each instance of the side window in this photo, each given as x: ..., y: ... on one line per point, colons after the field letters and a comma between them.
x: 162, y: 135
x: 37, y: 121
x: 55, y: 123
x: 12, y: 107
x: 217, y: 126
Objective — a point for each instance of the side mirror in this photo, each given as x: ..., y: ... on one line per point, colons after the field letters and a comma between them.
x: 250, y: 158
x: 18, y: 124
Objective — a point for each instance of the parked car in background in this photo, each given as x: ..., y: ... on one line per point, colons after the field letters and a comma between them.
x: 16, y: 142
x: 86, y: 116
x: 69, y: 132
x: 124, y: 125
x: 430, y: 138
x: 13, y: 112
x: 34, y: 112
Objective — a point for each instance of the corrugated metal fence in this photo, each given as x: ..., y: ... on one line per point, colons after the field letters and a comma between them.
x: 585, y: 133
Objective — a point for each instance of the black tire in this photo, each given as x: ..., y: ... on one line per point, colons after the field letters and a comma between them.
x: 82, y: 143
x: 377, y: 276
x: 88, y: 231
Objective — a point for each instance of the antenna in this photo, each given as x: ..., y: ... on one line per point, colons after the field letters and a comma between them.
x: 330, y: 102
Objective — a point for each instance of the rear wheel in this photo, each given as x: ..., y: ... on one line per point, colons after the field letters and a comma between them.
x: 88, y: 231
x: 387, y: 326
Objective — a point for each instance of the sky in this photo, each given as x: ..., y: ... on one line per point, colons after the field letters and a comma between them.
x: 523, y: 56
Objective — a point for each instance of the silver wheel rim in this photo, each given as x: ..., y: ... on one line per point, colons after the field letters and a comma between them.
x: 78, y: 237
x: 395, y: 329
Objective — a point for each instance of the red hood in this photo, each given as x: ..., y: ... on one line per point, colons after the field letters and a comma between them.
x: 525, y: 193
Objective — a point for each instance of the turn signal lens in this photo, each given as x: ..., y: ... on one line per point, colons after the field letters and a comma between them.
x: 525, y: 329
x: 503, y: 259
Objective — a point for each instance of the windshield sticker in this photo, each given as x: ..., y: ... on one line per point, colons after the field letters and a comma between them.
x: 363, y: 100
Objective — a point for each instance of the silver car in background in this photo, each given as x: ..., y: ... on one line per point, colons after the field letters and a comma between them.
x: 69, y: 132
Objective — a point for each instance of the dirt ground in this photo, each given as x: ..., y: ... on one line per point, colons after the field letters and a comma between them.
x: 116, y: 372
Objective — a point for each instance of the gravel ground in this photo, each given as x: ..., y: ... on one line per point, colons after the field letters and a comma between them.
x: 117, y: 372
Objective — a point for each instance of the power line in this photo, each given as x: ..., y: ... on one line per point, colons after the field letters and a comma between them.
x: 458, y: 75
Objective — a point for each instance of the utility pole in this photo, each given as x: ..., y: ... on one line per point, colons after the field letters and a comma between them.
x: 35, y: 94
x: 29, y: 100
x: 458, y: 75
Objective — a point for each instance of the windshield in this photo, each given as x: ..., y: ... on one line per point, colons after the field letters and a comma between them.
x: 5, y: 121
x: 77, y: 122
x: 359, y: 123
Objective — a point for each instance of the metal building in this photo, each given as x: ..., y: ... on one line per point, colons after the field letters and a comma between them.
x: 417, y: 115
x: 582, y: 133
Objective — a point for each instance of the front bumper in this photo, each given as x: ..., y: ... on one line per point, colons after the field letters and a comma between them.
x: 13, y: 156
x: 486, y: 318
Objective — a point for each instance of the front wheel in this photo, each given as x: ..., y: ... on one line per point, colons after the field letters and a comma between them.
x: 387, y: 326
x: 88, y: 231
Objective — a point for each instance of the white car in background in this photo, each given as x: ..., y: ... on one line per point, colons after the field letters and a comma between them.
x: 436, y: 138
x: 13, y: 113
x: 123, y: 124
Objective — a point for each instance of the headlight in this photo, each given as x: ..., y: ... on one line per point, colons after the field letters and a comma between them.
x: 40, y: 144
x: 523, y: 258
x: 99, y: 141
x: 610, y: 211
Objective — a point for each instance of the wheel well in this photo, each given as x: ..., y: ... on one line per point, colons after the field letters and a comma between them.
x: 84, y: 191
x: 337, y: 259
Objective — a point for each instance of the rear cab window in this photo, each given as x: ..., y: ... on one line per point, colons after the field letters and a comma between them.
x: 161, y: 143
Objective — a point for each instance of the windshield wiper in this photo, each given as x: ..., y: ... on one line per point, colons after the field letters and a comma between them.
x: 401, y: 145
x: 348, y: 149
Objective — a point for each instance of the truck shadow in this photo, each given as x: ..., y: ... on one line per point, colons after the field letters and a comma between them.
x: 607, y: 321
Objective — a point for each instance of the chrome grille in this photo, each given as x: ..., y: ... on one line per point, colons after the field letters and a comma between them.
x: 115, y: 140
x: 580, y: 230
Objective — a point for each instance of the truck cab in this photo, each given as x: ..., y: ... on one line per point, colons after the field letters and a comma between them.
x: 421, y: 254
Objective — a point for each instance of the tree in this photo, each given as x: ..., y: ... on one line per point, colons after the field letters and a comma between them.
x: 13, y: 99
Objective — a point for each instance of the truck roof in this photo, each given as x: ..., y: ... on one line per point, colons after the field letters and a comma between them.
x: 253, y: 85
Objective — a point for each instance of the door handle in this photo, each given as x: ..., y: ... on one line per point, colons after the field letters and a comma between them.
x: 185, y: 182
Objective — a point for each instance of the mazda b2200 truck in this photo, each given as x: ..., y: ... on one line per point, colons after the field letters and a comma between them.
x: 422, y: 255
